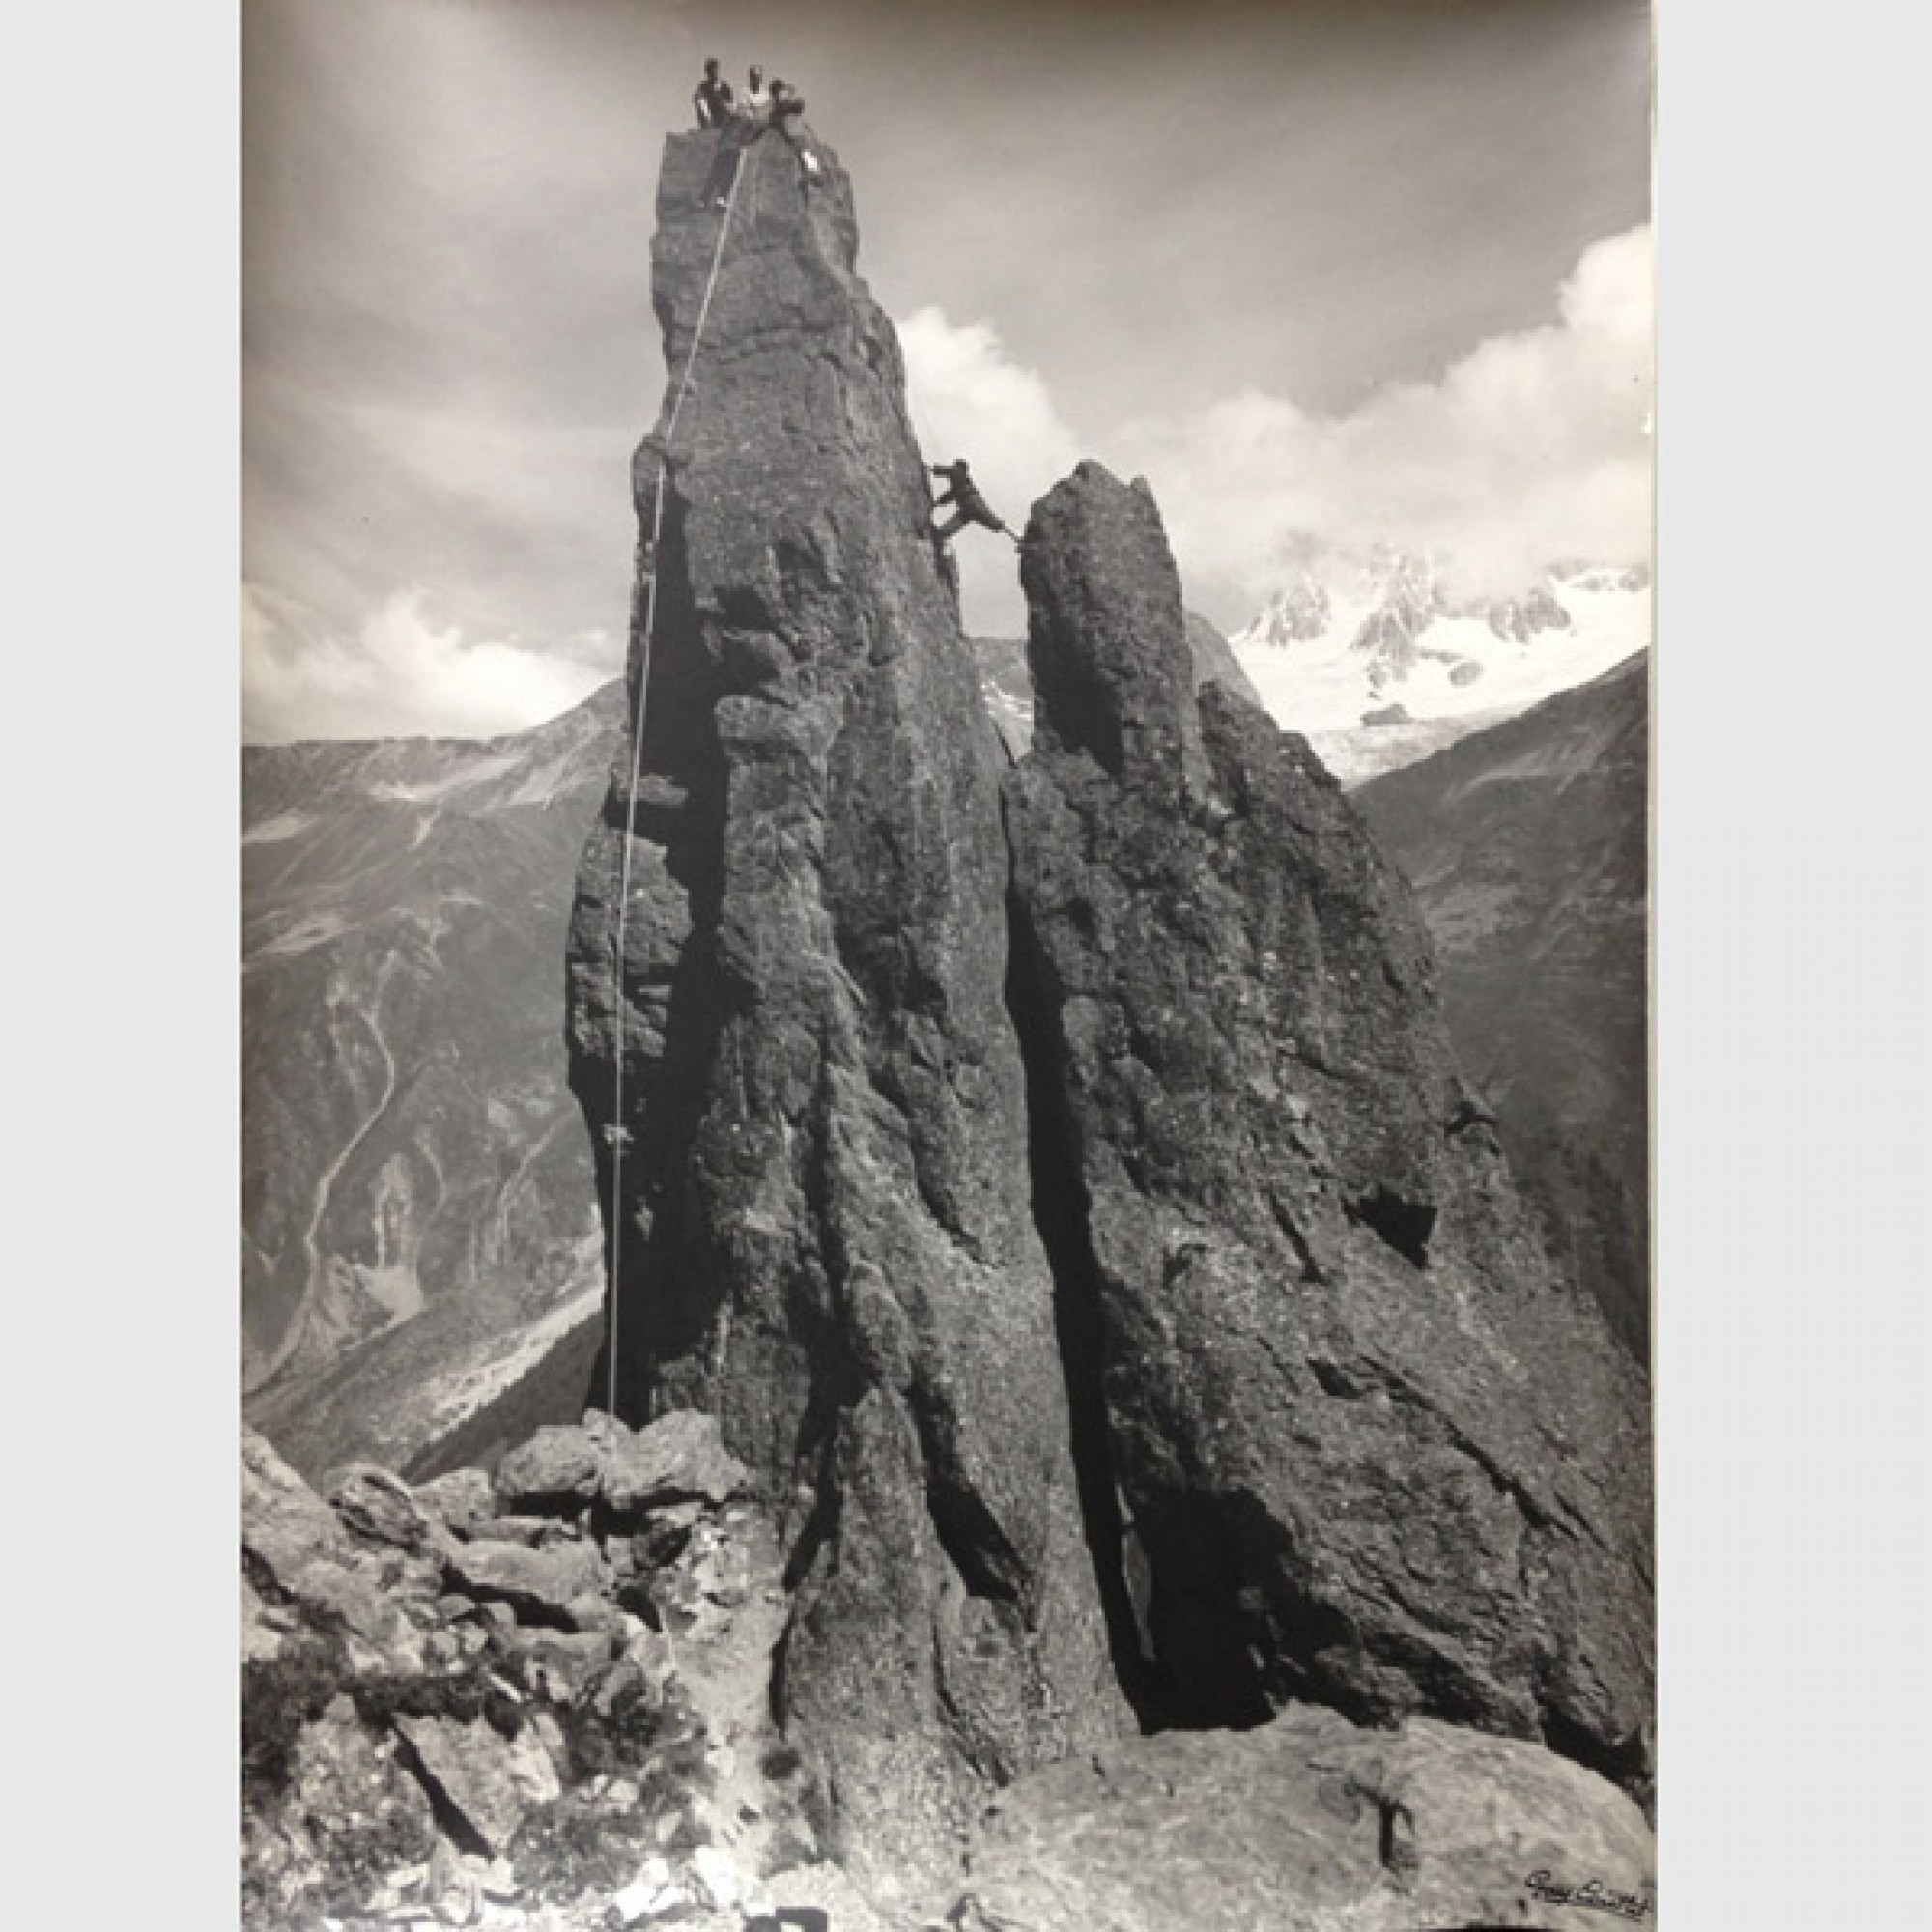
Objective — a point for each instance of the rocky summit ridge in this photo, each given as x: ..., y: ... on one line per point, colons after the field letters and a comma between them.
x: 1062, y: 1287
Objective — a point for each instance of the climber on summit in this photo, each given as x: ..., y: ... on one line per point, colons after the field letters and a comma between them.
x: 710, y: 99
x: 755, y: 102
x: 969, y: 506
x: 787, y: 107
x: 784, y: 106
x: 741, y: 129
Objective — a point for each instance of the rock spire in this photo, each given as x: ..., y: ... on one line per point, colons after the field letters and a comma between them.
x: 1056, y: 1182
x: 824, y: 1187
x: 1367, y: 1449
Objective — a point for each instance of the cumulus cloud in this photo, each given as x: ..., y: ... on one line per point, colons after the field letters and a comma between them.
x: 1531, y: 449
x: 967, y: 398
x: 1534, y: 447
x: 402, y: 674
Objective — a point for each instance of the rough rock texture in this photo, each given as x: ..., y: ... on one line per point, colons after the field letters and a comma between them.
x: 503, y: 1773
x: 1312, y: 1823
x: 679, y: 1457
x: 1353, y: 1441
x: 1008, y: 682
x: 823, y: 1237
x: 1528, y: 848
x: 537, y: 1583
x: 558, y: 1468
x: 492, y: 1782
x: 301, y: 1564
x: 421, y: 1741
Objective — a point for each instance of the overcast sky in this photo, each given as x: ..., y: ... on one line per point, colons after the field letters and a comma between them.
x: 1368, y: 270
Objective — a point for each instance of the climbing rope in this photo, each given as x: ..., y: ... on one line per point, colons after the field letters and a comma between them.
x: 619, y: 1132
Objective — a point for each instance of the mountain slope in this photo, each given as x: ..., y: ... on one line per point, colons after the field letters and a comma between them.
x: 416, y: 1185
x: 1527, y: 846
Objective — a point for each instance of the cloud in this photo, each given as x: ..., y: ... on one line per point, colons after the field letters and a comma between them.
x: 968, y: 399
x: 1533, y: 447
x: 401, y: 673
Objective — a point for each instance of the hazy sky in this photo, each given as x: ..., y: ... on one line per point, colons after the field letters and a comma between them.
x: 1368, y: 270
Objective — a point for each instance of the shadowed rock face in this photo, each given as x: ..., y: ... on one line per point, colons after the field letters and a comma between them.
x: 825, y: 1237
x: 1363, y: 1448
x: 1527, y: 846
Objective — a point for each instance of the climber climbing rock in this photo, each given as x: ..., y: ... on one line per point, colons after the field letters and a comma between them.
x: 969, y: 506
x: 712, y: 97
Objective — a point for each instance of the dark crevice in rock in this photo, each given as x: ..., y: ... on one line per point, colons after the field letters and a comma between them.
x: 1626, y: 1763
x: 666, y: 1301
x: 1405, y: 1224
x: 1312, y: 1271
x: 1239, y: 1638
x: 814, y: 1533
x: 449, y: 1817
x: 968, y: 1531
x: 839, y: 1380
x: 1059, y: 1206
x: 1395, y: 1838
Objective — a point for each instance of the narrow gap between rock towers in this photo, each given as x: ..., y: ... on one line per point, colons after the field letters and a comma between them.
x: 1161, y: 1697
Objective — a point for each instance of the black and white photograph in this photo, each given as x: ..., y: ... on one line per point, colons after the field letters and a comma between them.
x: 945, y: 914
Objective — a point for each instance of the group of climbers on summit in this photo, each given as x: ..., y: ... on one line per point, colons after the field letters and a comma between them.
x: 716, y: 106
x: 740, y: 120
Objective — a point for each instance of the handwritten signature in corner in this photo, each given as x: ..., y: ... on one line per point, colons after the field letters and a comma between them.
x: 1592, y: 1896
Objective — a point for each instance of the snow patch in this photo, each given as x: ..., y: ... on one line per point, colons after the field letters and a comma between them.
x: 286, y: 825
x: 1381, y: 669
x: 314, y: 928
x: 466, y: 777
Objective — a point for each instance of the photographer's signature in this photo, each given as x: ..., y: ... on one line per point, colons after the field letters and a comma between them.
x: 1592, y: 1896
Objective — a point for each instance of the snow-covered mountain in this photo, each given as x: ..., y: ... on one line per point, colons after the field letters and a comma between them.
x: 1378, y: 661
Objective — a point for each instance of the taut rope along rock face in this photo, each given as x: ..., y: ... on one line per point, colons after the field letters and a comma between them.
x: 827, y: 1240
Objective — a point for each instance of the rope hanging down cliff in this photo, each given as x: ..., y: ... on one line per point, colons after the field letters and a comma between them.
x: 617, y: 1132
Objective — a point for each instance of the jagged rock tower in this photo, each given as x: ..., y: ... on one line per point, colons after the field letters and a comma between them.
x: 826, y: 1235
x: 1066, y: 1201
x: 1369, y: 1450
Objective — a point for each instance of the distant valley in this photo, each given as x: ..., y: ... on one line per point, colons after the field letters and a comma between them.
x: 421, y: 1253
x: 416, y: 1195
